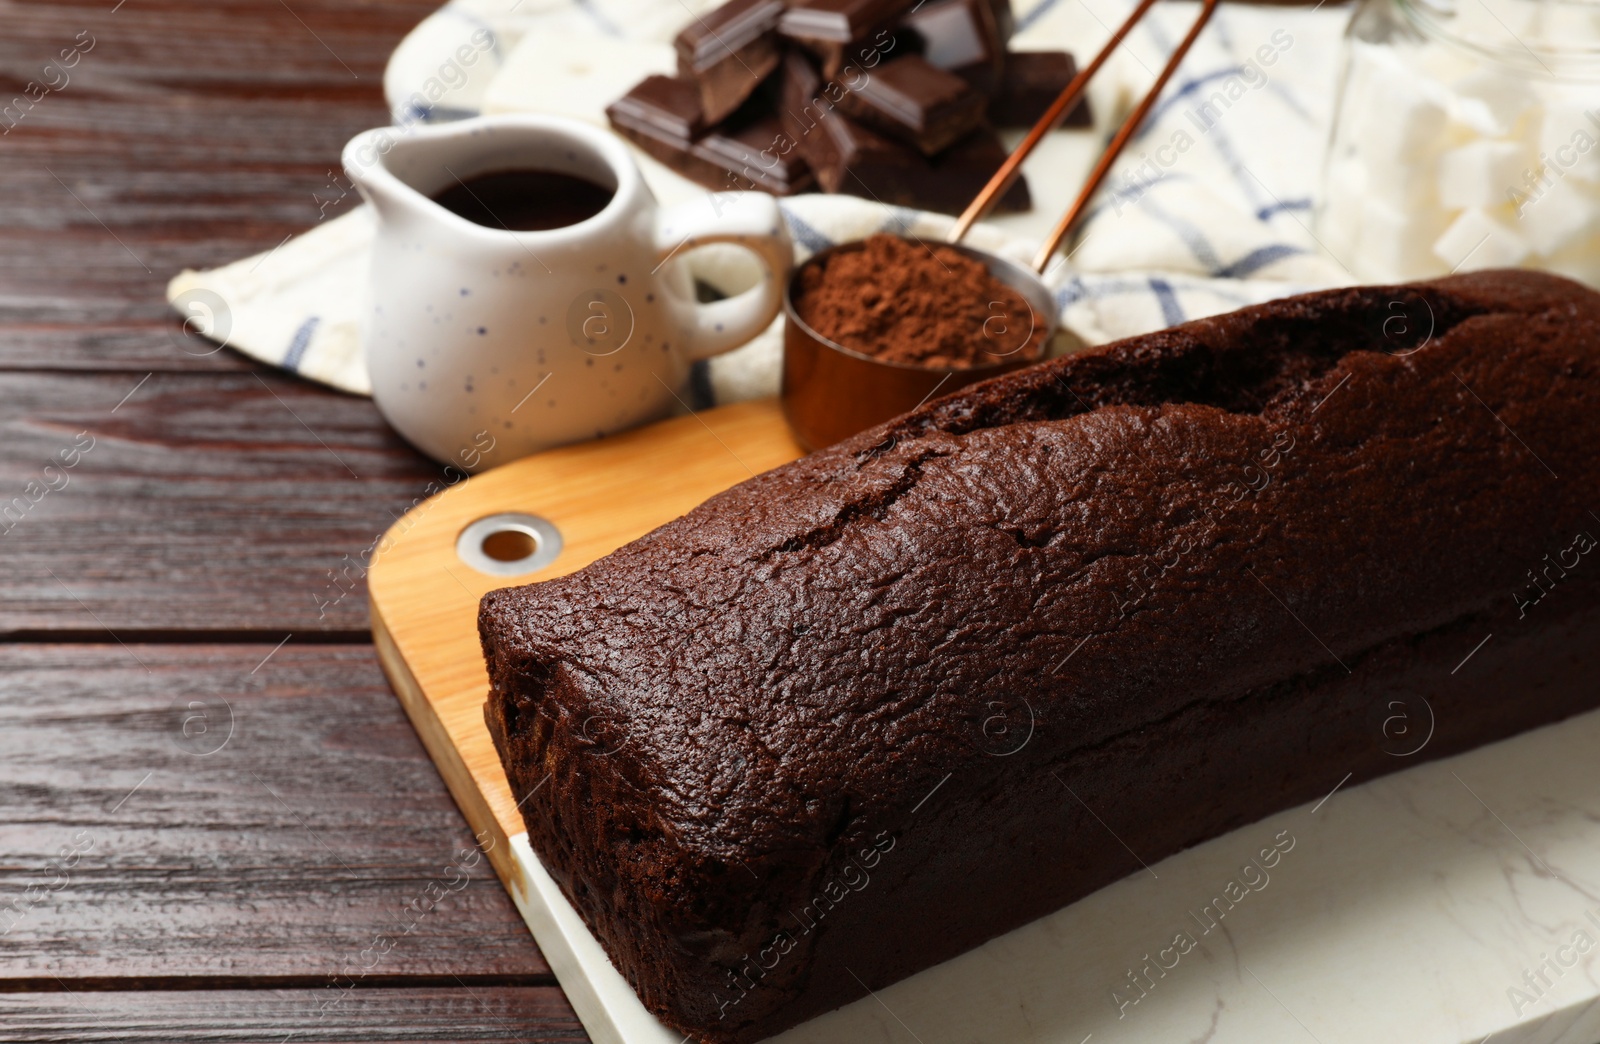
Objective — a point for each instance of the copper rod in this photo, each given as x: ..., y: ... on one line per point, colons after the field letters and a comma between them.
x: 991, y: 193
x: 1126, y: 131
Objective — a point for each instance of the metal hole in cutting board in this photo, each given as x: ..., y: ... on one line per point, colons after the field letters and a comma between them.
x: 509, y: 544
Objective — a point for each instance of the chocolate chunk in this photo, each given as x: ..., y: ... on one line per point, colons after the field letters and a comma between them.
x: 746, y: 151
x: 800, y: 94
x: 842, y: 33
x: 752, y: 153
x: 829, y: 141
x: 961, y: 171
x: 803, y: 102
x: 884, y: 99
x: 914, y: 101
x: 728, y: 52
x: 852, y: 60
x: 866, y: 55
x: 839, y: 21
x: 660, y: 108
x: 960, y: 36
x: 850, y: 158
x: 1031, y: 83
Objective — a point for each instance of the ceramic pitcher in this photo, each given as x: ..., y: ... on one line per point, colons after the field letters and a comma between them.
x: 485, y: 345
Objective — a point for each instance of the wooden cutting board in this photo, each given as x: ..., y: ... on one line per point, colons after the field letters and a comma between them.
x: 424, y: 601
x: 599, y: 495
x: 1425, y: 907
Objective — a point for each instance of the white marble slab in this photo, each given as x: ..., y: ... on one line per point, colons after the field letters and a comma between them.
x: 1456, y: 902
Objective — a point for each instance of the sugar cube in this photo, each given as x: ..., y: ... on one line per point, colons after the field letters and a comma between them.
x: 1569, y: 137
x: 1396, y: 242
x: 1481, y: 173
x: 1340, y: 221
x: 1399, y: 112
x: 1562, y: 213
x: 1492, y: 102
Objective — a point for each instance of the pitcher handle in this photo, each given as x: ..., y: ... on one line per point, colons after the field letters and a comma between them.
x: 745, y: 219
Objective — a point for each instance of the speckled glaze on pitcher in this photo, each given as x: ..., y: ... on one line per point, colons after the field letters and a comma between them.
x: 485, y: 345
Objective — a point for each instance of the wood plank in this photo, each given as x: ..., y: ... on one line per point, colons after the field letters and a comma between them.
x: 315, y: 845
x: 599, y: 495
x: 143, y: 162
x: 206, y: 502
x: 532, y: 1015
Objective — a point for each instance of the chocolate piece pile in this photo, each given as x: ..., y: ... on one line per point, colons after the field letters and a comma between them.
x: 918, y: 305
x: 893, y: 100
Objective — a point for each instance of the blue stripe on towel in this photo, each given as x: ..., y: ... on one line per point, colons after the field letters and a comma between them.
x: 1290, y: 102
x: 803, y: 233
x: 1185, y: 230
x: 1252, y: 187
x: 1101, y: 287
x: 1164, y: 290
x: 1171, y: 310
x: 1078, y: 289
x: 1131, y: 192
x: 1070, y: 293
x: 899, y: 221
x: 1281, y: 206
x: 1185, y: 90
x: 299, y: 343
x: 1256, y: 259
x: 413, y: 114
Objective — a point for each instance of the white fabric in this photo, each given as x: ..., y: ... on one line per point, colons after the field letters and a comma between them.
x: 1210, y: 207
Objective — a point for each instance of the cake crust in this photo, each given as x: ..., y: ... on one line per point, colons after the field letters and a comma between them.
x: 847, y: 719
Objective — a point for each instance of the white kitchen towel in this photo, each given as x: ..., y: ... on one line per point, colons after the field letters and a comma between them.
x: 1210, y: 207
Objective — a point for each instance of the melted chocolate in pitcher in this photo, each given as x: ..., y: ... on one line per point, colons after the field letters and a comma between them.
x: 524, y: 200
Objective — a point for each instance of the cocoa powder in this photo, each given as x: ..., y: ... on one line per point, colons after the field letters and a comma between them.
x: 919, y: 304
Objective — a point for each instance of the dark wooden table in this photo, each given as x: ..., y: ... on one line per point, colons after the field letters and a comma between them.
x: 173, y: 588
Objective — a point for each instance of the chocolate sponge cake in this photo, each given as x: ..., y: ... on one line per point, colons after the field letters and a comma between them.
x: 867, y: 710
